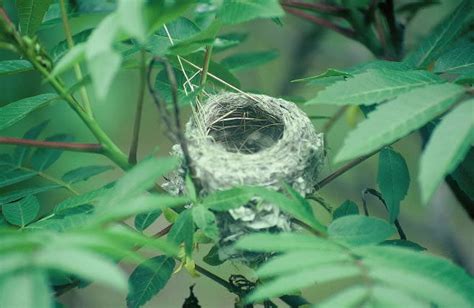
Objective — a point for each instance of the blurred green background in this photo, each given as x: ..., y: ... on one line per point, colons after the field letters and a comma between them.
x: 304, y: 50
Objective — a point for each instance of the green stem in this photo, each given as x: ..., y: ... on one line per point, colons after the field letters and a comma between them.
x: 77, y: 66
x: 110, y: 149
x: 205, y: 67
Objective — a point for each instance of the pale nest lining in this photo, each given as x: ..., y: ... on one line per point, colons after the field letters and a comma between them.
x: 246, y: 139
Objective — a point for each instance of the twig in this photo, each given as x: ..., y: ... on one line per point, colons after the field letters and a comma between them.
x: 205, y: 67
x: 329, y: 124
x: 163, y: 231
x: 317, y: 7
x: 132, y: 156
x: 77, y: 67
x: 322, y: 22
x: 67, y: 146
x: 395, y: 31
x: 379, y: 196
x: 343, y: 170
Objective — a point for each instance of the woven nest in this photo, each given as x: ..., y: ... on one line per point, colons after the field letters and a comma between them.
x: 246, y: 139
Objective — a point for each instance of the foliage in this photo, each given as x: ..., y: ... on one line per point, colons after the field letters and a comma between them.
x: 49, y: 248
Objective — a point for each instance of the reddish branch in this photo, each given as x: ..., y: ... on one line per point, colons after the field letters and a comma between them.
x: 322, y: 22
x: 67, y: 146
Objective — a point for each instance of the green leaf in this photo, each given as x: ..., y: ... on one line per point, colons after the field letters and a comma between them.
x: 237, y: 11
x: 141, y: 178
x: 459, y: 60
x: 346, y: 208
x: 22, y: 152
x: 143, y: 221
x: 301, y: 279
x: 360, y: 230
x: 72, y: 57
x: 228, y: 199
x: 85, y: 198
x: 148, y: 279
x: 43, y: 158
x: 350, y: 297
x: 131, y: 18
x: 26, y: 289
x: 62, y: 223
x: 84, y: 173
x: 249, y: 60
x: 446, y: 148
x: 197, y: 41
x: 229, y: 40
x: 10, y: 67
x: 21, y: 213
x: 282, y: 242
x: 212, y: 257
x: 206, y: 221
x: 62, y: 48
x: 183, y: 231
x: 31, y: 13
x: 16, y: 111
x: 295, y: 261
x: 84, y: 264
x: 441, y: 37
x: 397, y: 118
x: 102, y: 60
x: 15, y: 176
x: 404, y: 244
x: 157, y: 13
x: 393, y: 179
x: 21, y: 193
x: 121, y: 209
x: 327, y: 74
x: 373, y: 86
x: 454, y: 279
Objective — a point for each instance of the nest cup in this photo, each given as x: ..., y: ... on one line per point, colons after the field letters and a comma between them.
x: 240, y: 139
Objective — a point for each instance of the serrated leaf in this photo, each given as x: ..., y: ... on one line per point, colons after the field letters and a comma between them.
x: 143, y: 221
x: 248, y: 60
x: 285, y: 264
x: 206, y: 221
x: 84, y: 173
x: 149, y: 279
x: 21, y: 213
x: 360, y: 230
x: 22, y: 152
x: 459, y: 60
x: 21, y: 193
x: 85, y: 198
x: 397, y: 118
x: 373, y: 86
x: 83, y: 264
x: 62, y: 223
x: 393, y: 179
x: 16, y: 111
x: 301, y: 279
x: 31, y: 13
x: 62, y: 48
x: 446, y: 148
x: 141, y: 178
x: 43, y: 158
x: 183, y: 231
x: 10, y: 67
x: 197, y: 41
x: 26, y: 289
x: 228, y: 199
x: 237, y: 11
x: 441, y: 37
x: 265, y: 242
x: 346, y: 208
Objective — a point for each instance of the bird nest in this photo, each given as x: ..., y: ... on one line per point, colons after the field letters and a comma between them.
x: 245, y: 139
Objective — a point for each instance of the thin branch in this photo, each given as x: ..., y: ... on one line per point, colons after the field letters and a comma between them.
x: 66, y: 146
x: 395, y: 31
x: 205, y: 67
x: 317, y: 7
x: 132, y: 156
x: 322, y: 22
x: 329, y: 124
x: 77, y: 67
x: 343, y: 170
